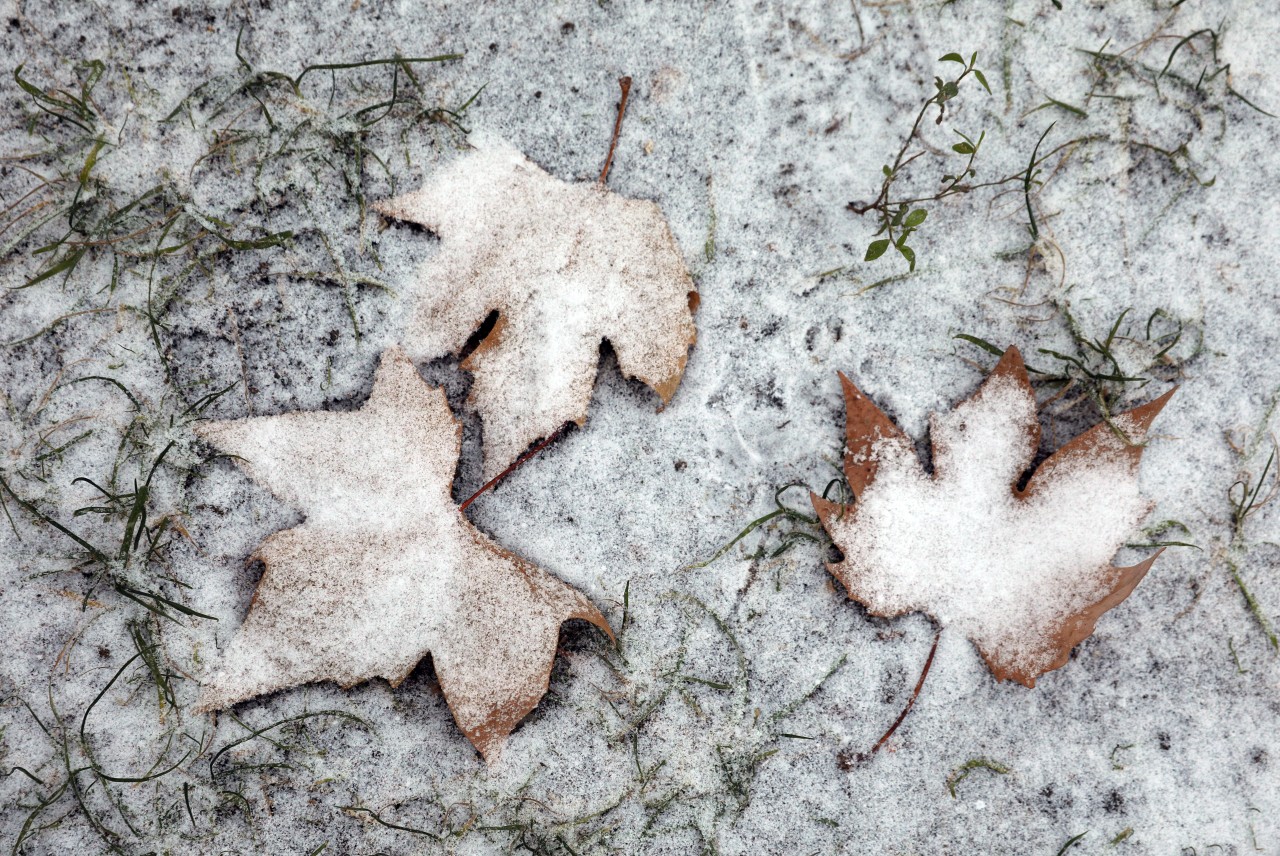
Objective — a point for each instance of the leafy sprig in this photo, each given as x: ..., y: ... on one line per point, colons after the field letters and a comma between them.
x: 900, y: 218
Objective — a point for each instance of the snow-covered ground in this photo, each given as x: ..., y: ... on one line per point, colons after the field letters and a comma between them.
x: 734, y: 715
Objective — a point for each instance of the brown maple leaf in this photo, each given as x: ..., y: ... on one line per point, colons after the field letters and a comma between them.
x: 565, y: 266
x: 1025, y: 574
x: 385, y: 569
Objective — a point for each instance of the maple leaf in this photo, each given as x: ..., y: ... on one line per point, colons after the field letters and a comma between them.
x: 565, y: 266
x: 1025, y: 574
x: 385, y: 568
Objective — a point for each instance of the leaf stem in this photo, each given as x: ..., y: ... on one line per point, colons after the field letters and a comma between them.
x: 556, y: 435
x: 915, y: 694
x: 625, y: 83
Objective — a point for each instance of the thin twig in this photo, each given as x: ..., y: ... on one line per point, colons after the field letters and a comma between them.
x: 625, y: 83
x: 911, y: 701
x: 559, y: 432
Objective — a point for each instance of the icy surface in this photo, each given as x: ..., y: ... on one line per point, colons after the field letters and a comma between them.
x: 751, y: 126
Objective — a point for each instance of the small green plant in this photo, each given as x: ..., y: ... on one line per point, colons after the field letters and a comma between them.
x: 141, y: 545
x: 1247, y: 495
x: 808, y: 529
x: 133, y: 564
x: 900, y: 214
x: 1198, y: 92
x: 959, y: 774
x: 899, y: 218
x: 1072, y: 842
x: 1092, y: 370
x: 1245, y: 499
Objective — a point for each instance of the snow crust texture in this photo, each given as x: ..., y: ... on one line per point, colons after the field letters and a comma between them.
x: 564, y: 265
x: 752, y: 124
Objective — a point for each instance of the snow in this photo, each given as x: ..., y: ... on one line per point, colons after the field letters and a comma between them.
x: 564, y: 265
x: 385, y: 569
x: 750, y: 126
x: 1005, y: 570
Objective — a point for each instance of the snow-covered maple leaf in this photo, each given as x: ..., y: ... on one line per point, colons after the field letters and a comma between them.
x: 1025, y: 574
x: 565, y: 266
x: 385, y: 568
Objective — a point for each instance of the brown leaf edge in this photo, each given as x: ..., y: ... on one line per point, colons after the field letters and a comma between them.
x: 666, y: 387
x: 866, y: 424
x: 491, y: 734
x: 397, y: 209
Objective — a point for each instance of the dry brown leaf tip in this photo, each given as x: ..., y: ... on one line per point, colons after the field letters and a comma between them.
x: 385, y: 569
x: 1024, y: 574
x: 566, y: 265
